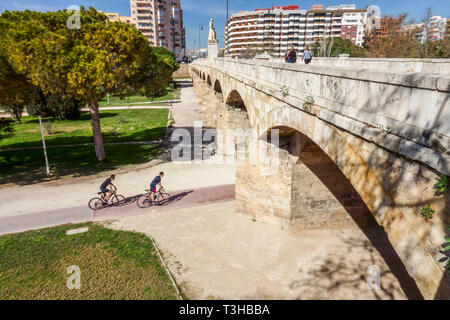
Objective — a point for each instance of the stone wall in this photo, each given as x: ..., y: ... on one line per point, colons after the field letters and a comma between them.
x: 183, y: 71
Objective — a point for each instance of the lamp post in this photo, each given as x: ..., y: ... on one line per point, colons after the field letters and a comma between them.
x: 45, y: 147
x: 200, y: 27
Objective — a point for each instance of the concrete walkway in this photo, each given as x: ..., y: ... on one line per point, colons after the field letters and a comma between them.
x: 54, y: 217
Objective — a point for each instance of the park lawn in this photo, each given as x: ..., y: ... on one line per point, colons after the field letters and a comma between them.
x: 28, y: 166
x: 113, y: 265
x: 117, y: 126
x: 172, y: 94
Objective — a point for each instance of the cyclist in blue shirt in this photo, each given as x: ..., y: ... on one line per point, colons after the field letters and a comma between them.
x: 104, y: 187
x: 156, y: 182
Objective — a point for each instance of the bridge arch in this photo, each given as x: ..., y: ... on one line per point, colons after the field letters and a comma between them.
x: 208, y: 80
x: 217, y: 87
x: 235, y: 100
x: 321, y: 194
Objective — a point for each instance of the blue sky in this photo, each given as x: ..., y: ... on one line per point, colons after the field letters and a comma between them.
x: 200, y: 11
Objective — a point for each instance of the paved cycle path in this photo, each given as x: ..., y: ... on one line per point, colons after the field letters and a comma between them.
x: 49, y: 218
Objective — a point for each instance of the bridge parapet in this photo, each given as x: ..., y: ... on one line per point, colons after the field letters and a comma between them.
x: 402, y: 65
x: 408, y: 113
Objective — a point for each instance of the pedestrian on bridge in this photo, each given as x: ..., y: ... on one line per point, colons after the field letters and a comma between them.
x: 307, y: 55
x: 291, y: 56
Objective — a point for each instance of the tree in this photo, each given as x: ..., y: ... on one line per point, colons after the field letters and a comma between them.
x: 423, y: 44
x: 99, y: 58
x: 333, y: 47
x: 6, y: 126
x: 15, y: 90
x: 160, y: 74
x: 396, y: 43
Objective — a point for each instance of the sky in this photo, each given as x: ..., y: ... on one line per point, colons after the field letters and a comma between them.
x: 198, y: 12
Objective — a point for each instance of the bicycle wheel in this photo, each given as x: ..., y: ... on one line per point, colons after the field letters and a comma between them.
x: 117, y: 198
x: 95, y: 203
x: 143, y: 201
x: 162, y: 198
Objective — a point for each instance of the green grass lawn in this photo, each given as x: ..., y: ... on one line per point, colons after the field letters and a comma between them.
x: 113, y: 265
x: 28, y: 166
x: 172, y: 94
x: 117, y: 126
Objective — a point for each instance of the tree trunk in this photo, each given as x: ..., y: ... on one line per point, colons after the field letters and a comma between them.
x: 96, y: 130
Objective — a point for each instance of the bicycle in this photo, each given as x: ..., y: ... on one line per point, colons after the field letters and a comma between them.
x: 99, y: 203
x: 145, y: 200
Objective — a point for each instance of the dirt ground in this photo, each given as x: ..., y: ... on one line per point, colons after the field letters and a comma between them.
x: 216, y: 253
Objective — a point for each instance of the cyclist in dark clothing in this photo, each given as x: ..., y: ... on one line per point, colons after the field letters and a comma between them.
x: 156, y: 182
x: 104, y: 187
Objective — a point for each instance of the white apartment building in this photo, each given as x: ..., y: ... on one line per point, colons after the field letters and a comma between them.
x: 279, y: 28
x: 353, y: 26
x: 436, y: 29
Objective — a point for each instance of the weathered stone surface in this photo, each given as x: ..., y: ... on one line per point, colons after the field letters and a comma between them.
x: 386, y: 133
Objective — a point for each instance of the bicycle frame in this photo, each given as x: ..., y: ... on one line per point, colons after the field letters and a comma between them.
x: 111, y: 193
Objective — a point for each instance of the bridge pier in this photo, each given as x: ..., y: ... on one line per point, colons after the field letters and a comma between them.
x: 307, y: 188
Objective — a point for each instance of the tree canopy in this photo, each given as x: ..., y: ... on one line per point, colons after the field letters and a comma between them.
x: 338, y: 46
x: 41, y: 57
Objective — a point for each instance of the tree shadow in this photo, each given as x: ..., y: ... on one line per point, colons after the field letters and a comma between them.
x: 28, y: 166
x: 84, y: 116
x: 337, y: 276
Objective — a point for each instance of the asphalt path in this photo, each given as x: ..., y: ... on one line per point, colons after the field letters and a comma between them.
x: 128, y: 207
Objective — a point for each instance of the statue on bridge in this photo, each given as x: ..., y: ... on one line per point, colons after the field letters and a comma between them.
x: 212, y: 32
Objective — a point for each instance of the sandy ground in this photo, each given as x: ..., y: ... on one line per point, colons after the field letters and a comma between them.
x: 216, y: 253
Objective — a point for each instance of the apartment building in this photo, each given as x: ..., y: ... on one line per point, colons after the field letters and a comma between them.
x: 115, y: 16
x: 437, y: 29
x: 382, y: 28
x: 161, y: 22
x: 353, y: 26
x: 278, y: 28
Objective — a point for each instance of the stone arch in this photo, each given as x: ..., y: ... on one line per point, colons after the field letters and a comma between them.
x: 347, y: 153
x: 217, y: 87
x: 208, y: 80
x: 234, y: 99
x: 330, y: 198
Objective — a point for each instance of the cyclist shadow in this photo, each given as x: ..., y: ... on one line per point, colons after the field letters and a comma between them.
x: 172, y: 199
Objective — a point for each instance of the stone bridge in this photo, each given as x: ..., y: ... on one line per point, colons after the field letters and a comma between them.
x: 354, y: 145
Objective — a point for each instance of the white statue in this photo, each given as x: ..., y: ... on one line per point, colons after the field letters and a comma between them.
x: 212, y: 32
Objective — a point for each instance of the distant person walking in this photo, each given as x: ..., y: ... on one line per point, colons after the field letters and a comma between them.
x: 291, y: 56
x: 307, y: 55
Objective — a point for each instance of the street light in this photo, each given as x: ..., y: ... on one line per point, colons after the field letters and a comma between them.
x: 44, y: 146
x: 200, y: 27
